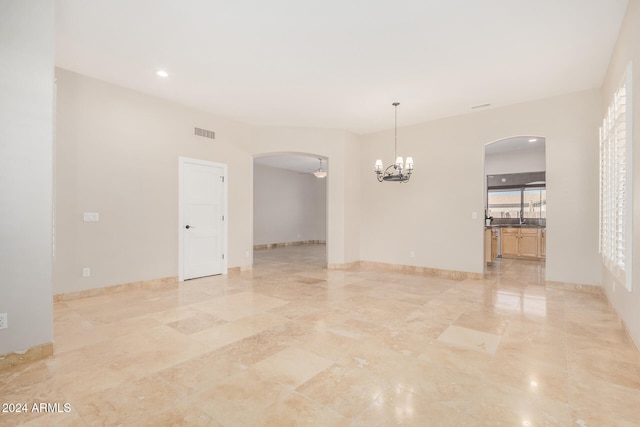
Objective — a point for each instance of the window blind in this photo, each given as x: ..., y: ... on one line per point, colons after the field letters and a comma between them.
x: 615, y: 183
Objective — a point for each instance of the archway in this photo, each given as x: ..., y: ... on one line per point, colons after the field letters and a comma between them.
x: 515, y: 199
x: 290, y: 201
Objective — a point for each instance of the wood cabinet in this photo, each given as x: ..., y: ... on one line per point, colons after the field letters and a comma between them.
x: 487, y: 245
x: 528, y: 244
x: 494, y: 243
x: 490, y: 244
x: 522, y: 242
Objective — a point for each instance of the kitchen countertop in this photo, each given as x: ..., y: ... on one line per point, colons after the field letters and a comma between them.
x: 515, y: 226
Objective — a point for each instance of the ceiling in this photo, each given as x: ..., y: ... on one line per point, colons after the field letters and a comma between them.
x: 340, y: 64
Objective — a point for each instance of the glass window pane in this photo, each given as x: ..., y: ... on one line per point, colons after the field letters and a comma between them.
x: 504, y: 203
x: 534, y: 203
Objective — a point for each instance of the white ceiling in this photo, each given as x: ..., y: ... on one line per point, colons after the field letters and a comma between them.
x: 338, y: 63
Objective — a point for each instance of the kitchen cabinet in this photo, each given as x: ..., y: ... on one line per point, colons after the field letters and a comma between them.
x: 494, y: 243
x: 490, y: 244
x: 528, y: 244
x: 521, y: 242
x: 510, y: 239
x: 487, y: 245
x: 543, y: 243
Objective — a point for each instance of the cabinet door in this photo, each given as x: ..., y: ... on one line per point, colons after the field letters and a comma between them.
x: 487, y: 245
x: 528, y: 244
x: 494, y: 244
x: 509, y: 242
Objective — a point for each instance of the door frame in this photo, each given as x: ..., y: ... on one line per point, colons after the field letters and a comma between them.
x: 181, y: 162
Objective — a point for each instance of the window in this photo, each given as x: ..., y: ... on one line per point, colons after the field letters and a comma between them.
x: 514, y: 202
x: 534, y: 203
x: 615, y: 183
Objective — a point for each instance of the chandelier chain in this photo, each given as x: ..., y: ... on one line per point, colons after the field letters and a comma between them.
x: 395, y: 137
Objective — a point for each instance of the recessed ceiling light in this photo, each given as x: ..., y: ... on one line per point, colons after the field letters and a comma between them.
x: 162, y: 73
x: 533, y: 140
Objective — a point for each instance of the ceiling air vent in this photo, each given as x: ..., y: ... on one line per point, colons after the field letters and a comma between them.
x: 205, y: 133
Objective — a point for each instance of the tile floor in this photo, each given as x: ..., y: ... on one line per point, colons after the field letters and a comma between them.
x: 293, y: 344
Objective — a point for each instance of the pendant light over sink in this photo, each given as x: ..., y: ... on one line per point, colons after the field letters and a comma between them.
x: 400, y: 171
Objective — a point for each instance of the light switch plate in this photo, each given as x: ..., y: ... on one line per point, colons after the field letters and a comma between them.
x: 91, y: 217
x: 474, y: 215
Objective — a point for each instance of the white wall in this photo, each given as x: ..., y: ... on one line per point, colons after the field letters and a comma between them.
x: 626, y: 303
x: 26, y: 150
x: 432, y: 214
x: 287, y: 206
x: 117, y: 154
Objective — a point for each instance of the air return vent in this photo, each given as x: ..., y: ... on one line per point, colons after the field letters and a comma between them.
x: 205, y: 133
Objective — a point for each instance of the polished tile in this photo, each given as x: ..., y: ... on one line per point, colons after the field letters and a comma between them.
x: 470, y: 338
x: 291, y: 343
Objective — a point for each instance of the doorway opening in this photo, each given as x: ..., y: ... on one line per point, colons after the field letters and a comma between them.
x: 290, y: 207
x: 515, y: 201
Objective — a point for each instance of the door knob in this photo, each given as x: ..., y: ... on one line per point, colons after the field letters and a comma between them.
x: 189, y: 226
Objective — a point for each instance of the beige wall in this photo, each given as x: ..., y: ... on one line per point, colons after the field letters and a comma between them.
x: 117, y: 154
x: 432, y: 214
x: 627, y: 49
x: 26, y: 161
x: 288, y: 206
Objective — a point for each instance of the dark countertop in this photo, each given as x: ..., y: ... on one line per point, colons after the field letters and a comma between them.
x: 515, y: 226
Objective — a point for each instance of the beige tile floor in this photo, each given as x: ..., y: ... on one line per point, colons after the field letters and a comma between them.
x: 293, y: 344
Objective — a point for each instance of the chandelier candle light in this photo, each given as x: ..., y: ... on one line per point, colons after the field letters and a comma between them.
x: 399, y: 171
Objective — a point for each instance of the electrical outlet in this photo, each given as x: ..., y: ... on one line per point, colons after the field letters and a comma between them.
x: 86, y: 272
x: 3, y: 321
x: 412, y: 254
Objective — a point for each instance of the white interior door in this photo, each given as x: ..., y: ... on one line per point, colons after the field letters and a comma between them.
x: 202, y: 218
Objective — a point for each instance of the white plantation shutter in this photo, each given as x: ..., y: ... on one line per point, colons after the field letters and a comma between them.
x: 615, y: 183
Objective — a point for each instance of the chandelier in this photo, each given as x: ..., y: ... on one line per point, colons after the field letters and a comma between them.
x: 320, y: 173
x: 399, y: 171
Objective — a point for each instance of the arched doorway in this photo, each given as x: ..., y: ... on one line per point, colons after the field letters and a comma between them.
x: 515, y: 200
x: 290, y: 205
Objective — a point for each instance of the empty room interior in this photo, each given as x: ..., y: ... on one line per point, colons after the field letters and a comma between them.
x: 320, y: 213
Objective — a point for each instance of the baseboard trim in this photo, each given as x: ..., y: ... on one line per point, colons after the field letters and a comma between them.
x: 445, y: 274
x: 575, y: 287
x: 343, y: 266
x: 145, y: 284
x: 239, y: 269
x: 38, y: 352
x: 281, y: 245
